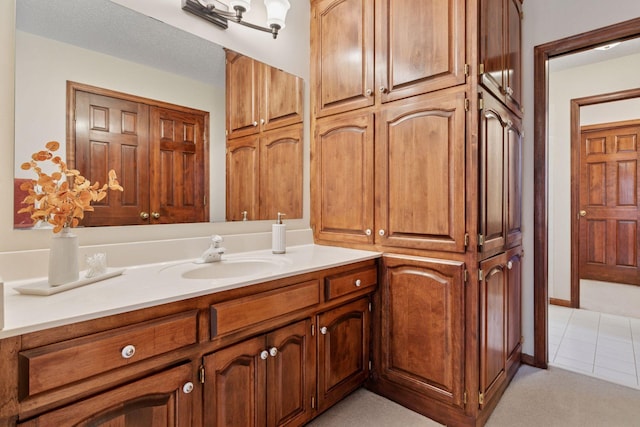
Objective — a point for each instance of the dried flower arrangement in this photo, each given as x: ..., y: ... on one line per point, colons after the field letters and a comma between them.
x: 62, y: 198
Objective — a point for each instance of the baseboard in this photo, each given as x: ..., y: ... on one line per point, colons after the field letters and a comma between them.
x: 561, y: 302
x: 528, y: 360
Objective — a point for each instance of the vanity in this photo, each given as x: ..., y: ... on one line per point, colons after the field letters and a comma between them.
x: 275, y: 339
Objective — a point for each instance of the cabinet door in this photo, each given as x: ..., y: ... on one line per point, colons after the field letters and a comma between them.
x: 281, y: 173
x: 493, y: 313
x: 282, y: 98
x: 513, y: 172
x: 491, y: 42
x: 422, y: 326
x: 242, y: 93
x: 342, y: 177
x: 343, y: 351
x: 420, y: 173
x: 164, y: 399
x: 243, y: 173
x: 342, y: 51
x: 234, y: 388
x: 492, y: 177
x: 291, y: 375
x: 177, y: 167
x: 420, y: 46
x: 513, y: 59
x: 514, y: 304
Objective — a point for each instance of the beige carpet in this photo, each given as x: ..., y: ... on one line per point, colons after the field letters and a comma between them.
x: 535, y: 398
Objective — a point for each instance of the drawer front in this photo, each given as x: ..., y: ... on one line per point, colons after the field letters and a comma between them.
x: 240, y: 313
x: 352, y: 281
x: 63, y: 363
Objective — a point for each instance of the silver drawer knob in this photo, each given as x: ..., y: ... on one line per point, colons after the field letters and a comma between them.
x: 264, y: 355
x: 358, y: 283
x: 187, y: 388
x: 381, y: 232
x: 128, y: 351
x: 255, y: 124
x: 323, y: 330
x: 367, y: 232
x: 273, y: 351
x: 509, y: 265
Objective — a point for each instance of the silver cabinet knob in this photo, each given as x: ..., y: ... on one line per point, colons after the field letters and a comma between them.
x: 510, y: 265
x: 262, y: 121
x: 358, y: 283
x: 155, y: 215
x: 128, y: 351
x: 144, y: 215
x: 323, y: 330
x: 255, y: 124
x: 187, y: 388
x: 368, y: 92
x: 264, y: 355
x: 381, y: 232
x: 509, y: 90
x: 273, y: 351
x: 383, y: 89
x: 367, y: 232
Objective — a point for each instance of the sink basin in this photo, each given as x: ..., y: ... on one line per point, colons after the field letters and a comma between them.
x: 232, y: 268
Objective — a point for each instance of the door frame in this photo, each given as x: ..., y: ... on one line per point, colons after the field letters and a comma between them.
x: 542, y: 54
x: 575, y: 177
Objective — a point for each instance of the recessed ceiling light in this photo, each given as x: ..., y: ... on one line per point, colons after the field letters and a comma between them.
x: 607, y: 46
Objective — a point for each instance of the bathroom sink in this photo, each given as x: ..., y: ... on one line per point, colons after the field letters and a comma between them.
x: 233, y: 268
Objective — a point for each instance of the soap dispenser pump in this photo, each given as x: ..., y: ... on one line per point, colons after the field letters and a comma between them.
x: 279, y: 236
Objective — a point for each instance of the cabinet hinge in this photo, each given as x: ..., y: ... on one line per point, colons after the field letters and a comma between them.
x: 466, y: 275
x: 521, y: 339
x: 205, y: 201
x: 313, y: 329
x: 313, y: 402
x: 466, y: 104
x: 464, y: 398
x: 201, y: 374
x: 480, y: 275
x: 522, y: 16
x: 481, y: 398
x: 480, y: 104
x: 480, y: 68
x: 370, y: 307
x: 370, y: 365
x: 466, y: 70
x: 480, y: 239
x: 466, y: 239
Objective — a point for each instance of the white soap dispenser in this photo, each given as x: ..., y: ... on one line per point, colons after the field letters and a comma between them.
x: 279, y: 236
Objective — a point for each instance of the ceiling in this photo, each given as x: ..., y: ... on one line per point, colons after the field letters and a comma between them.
x: 118, y: 31
x: 625, y: 48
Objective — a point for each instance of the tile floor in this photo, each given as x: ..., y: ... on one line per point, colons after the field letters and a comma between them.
x: 596, y: 344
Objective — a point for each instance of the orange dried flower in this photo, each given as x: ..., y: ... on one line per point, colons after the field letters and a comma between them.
x: 53, y: 199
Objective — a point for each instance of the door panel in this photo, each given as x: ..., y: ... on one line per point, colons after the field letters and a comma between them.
x: 113, y: 133
x: 609, y: 192
x: 282, y: 97
x: 243, y: 174
x: 243, y: 112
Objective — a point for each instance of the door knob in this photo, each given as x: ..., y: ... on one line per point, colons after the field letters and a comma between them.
x: 155, y: 215
x: 583, y: 213
x: 273, y: 351
x: 144, y: 215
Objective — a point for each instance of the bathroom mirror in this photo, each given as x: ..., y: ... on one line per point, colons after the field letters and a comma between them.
x: 106, y: 45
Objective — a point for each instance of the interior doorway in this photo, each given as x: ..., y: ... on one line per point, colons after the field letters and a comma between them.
x: 542, y: 54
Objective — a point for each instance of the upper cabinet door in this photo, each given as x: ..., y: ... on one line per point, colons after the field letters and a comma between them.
x: 420, y: 173
x: 513, y: 60
x: 420, y: 46
x: 243, y: 89
x: 342, y: 51
x: 282, y: 98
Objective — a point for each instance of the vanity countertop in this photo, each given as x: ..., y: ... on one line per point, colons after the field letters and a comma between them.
x: 154, y: 284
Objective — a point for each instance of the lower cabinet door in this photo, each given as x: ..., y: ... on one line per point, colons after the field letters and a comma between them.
x: 343, y: 351
x: 422, y: 327
x: 164, y: 399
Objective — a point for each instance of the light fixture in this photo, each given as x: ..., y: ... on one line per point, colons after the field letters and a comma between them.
x: 607, y: 46
x: 218, y: 13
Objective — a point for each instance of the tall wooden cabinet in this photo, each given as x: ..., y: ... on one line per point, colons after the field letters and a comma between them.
x: 264, y: 140
x: 416, y: 152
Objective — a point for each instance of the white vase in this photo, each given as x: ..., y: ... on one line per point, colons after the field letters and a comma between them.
x: 63, y: 258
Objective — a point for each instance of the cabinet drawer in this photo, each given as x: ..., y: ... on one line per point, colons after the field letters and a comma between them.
x: 62, y: 363
x: 240, y: 313
x: 352, y: 281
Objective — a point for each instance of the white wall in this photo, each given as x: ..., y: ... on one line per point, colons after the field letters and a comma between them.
x: 546, y: 21
x: 565, y: 85
x: 291, y: 52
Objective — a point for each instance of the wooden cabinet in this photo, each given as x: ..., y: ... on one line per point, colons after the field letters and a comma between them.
x: 346, y: 35
x: 421, y: 335
x: 260, y: 97
x: 268, y: 380
x: 163, y: 399
x: 499, y: 52
x: 500, y: 325
x: 500, y: 177
x: 264, y: 175
x: 343, y: 351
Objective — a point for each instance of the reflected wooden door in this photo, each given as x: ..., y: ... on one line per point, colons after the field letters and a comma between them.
x: 608, y: 212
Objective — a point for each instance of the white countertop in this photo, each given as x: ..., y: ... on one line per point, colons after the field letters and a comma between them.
x: 154, y: 284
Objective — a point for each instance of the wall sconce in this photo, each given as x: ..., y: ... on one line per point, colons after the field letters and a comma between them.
x: 218, y: 13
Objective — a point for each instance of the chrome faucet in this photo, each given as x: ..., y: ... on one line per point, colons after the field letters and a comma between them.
x: 214, y: 253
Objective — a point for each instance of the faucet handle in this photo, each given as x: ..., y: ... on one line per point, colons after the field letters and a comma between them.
x: 216, y: 240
